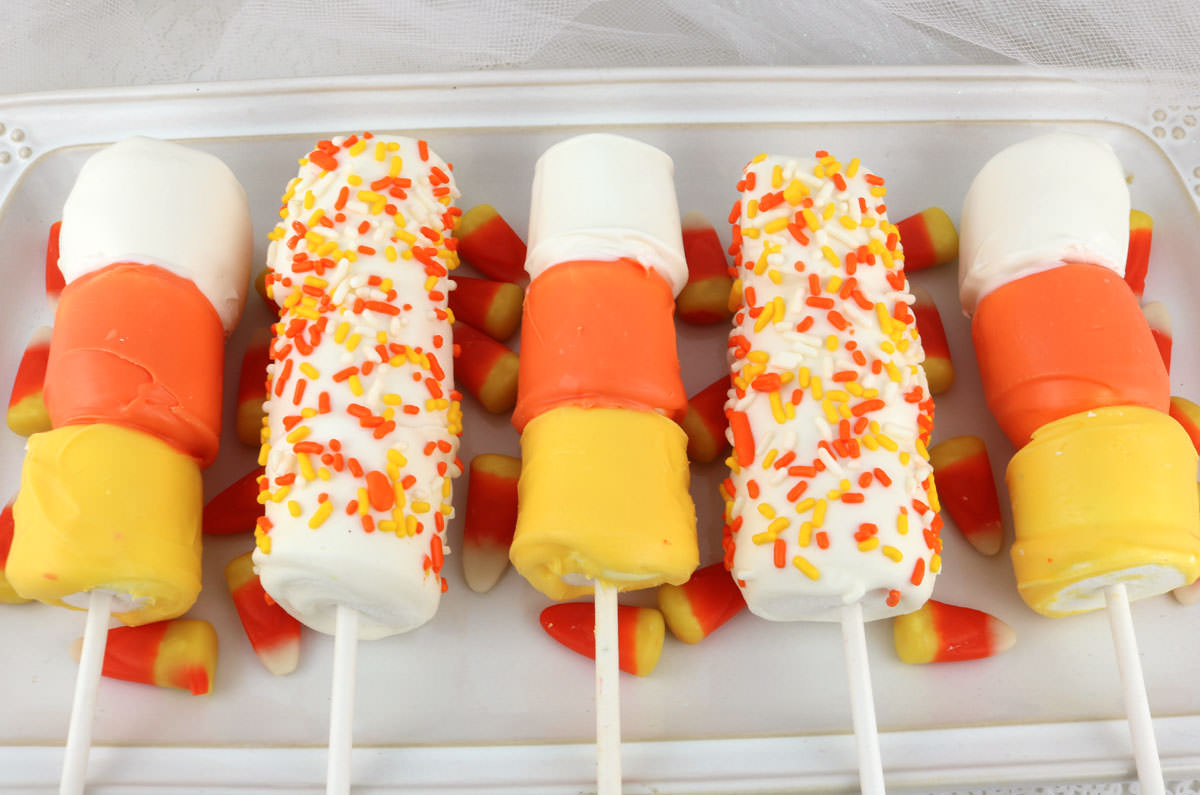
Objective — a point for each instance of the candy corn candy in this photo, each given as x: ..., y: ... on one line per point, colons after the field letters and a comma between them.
x: 236, y: 509
x: 252, y: 389
x: 1159, y: 320
x: 486, y: 241
x: 491, y: 519
x: 27, y: 413
x: 54, y: 277
x: 705, y: 298
x: 966, y: 489
x: 928, y: 238
x: 492, y: 307
x: 1137, y: 261
x: 704, y: 422
x: 179, y: 653
x: 939, y: 369
x: 1187, y: 414
x: 939, y: 632
x: 273, y: 633
x: 640, y: 633
x: 485, y: 368
x: 7, y: 595
x: 695, y: 609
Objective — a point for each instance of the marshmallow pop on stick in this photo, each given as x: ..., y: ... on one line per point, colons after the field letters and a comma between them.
x: 830, y: 509
x: 1102, y: 488
x: 363, y: 420
x: 155, y: 251
x: 603, y: 493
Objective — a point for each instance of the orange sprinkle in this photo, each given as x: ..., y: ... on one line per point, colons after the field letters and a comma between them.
x: 918, y: 572
x: 797, y: 491
x: 822, y: 539
x: 853, y: 497
x: 893, y: 598
x: 379, y: 491
x: 423, y: 150
x: 743, y: 438
x: 323, y: 160
x: 780, y: 550
x: 752, y: 489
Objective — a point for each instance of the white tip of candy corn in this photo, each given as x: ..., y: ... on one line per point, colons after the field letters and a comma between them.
x: 1188, y: 594
x: 282, y: 658
x: 483, y: 565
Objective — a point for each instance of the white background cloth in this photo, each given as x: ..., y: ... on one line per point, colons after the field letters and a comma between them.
x: 71, y: 44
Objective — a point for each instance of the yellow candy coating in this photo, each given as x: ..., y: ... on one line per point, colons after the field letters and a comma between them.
x: 107, y: 507
x: 1104, y: 497
x: 603, y: 495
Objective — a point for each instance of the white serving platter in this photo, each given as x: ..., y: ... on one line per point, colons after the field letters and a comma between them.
x: 480, y: 699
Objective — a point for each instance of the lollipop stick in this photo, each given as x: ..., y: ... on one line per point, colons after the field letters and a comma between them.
x: 862, y: 702
x: 1137, y: 706
x: 91, y: 662
x: 608, y: 694
x: 341, y: 708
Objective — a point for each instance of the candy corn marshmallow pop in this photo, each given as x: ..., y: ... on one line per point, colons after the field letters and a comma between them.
x: 603, y: 494
x: 362, y: 419
x: 1102, y: 488
x: 831, y: 514
x: 155, y: 250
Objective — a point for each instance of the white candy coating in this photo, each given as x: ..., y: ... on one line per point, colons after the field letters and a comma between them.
x: 158, y: 203
x: 1057, y: 198
x: 605, y: 197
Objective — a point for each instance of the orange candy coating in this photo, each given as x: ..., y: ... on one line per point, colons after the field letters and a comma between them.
x: 1064, y: 341
x: 151, y: 348
x: 599, y: 334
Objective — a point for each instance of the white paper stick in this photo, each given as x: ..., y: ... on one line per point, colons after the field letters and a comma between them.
x: 83, y: 708
x: 341, y: 708
x: 862, y: 702
x: 608, y: 693
x: 1133, y: 686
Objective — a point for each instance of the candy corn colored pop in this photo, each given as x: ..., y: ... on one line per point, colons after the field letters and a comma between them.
x: 363, y: 414
x: 1102, y: 487
x: 829, y: 500
x: 604, y: 476
x: 154, y: 249
x: 181, y: 653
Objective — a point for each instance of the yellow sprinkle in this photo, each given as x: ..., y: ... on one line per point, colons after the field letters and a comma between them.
x: 766, y: 510
x: 869, y: 442
x: 935, y: 563
x: 758, y: 357
x: 854, y: 388
x: 262, y: 541
x: 848, y: 222
x: 306, y: 467
x: 904, y: 459
x: 868, y: 544
x: 263, y: 452
x: 852, y: 167
x: 323, y: 511
x: 278, y: 233
x: 752, y: 208
x: 779, y: 524
x: 878, y: 191
x: 758, y: 158
x: 420, y: 506
x: 818, y: 518
x: 308, y: 413
x: 934, y: 502
x: 828, y: 254
x: 309, y: 199
x: 389, y: 251
x: 831, y: 342
x: 803, y: 378
x: 355, y: 385
x: 831, y: 414
x: 805, y: 505
x: 304, y: 312
x: 309, y: 370
x: 777, y: 410
x: 893, y: 553
x: 280, y: 494
x: 339, y: 336
x: 750, y: 232
x: 353, y: 341
x: 777, y: 176
x: 812, y: 571
x: 410, y: 525
x: 299, y: 433
x: 294, y: 508
x: 405, y: 236
x: 828, y: 212
x: 868, y: 222
x: 902, y: 524
x: 834, y: 284
x: 844, y: 410
x: 795, y: 192
x: 776, y: 225
x: 765, y: 537
x: 388, y: 526
x: 817, y: 392
x: 769, y: 458
x: 887, y: 442
x: 921, y: 451
x: 810, y: 219
x: 789, y: 410
x: 395, y: 166
x: 892, y: 371
x: 887, y: 347
x: 397, y: 458
x: 324, y: 474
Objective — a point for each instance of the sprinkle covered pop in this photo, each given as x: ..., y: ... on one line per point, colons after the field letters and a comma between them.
x: 830, y: 500
x: 363, y: 419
